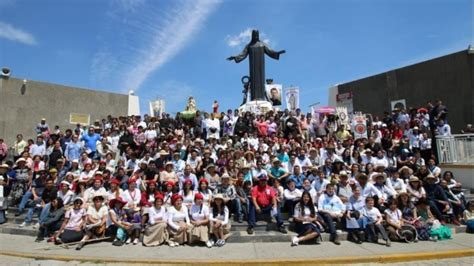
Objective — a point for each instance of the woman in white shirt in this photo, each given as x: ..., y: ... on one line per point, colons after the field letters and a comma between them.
x: 305, y: 218
x: 199, y: 213
x: 219, y: 217
x: 179, y: 225
x: 65, y: 193
x: 187, y: 193
x: 156, y: 232
x: 393, y: 217
x: 205, y: 191
x: 132, y: 195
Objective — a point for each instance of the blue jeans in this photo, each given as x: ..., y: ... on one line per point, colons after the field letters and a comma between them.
x: 28, y: 194
x: 237, y: 205
x: 329, y: 222
x: 32, y: 210
x: 44, y: 213
x: 267, y: 209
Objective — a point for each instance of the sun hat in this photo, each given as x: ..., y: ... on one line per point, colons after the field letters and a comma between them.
x: 117, y: 200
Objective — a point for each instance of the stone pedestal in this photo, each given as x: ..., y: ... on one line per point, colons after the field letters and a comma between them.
x: 256, y: 107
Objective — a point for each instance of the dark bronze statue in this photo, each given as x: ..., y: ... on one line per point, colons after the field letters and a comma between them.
x: 257, y: 50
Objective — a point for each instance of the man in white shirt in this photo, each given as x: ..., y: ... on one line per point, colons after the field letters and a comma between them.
x: 331, y: 209
x: 303, y: 161
x: 292, y: 196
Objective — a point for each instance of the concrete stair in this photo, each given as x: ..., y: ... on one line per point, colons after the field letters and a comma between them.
x: 264, y: 231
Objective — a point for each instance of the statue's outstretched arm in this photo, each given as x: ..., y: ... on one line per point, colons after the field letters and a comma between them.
x: 240, y: 56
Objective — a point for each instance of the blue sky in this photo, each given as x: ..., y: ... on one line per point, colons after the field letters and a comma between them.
x: 173, y: 49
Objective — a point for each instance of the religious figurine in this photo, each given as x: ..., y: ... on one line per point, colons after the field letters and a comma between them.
x: 215, y: 107
x: 191, y: 106
x: 256, y: 50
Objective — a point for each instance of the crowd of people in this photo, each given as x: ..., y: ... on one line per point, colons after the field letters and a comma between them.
x: 164, y: 180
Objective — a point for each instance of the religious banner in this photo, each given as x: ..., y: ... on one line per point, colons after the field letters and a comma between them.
x: 343, y: 115
x: 292, y: 98
x: 274, y: 93
x: 157, y: 107
x: 359, y: 126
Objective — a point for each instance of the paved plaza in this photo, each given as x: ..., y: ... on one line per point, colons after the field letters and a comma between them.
x: 241, y: 252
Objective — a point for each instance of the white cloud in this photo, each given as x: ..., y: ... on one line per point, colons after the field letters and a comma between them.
x: 129, y: 5
x: 244, y: 37
x: 11, y: 33
x: 168, y: 39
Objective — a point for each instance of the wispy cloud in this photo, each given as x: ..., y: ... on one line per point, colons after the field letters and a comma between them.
x: 9, y: 32
x: 244, y: 37
x: 148, y: 39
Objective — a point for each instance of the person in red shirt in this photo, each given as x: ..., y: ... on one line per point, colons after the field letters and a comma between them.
x: 262, y: 126
x: 264, y: 200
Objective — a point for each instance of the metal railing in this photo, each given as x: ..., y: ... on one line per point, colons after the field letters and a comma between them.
x: 457, y: 148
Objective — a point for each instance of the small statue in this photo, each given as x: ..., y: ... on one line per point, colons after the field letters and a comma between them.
x: 215, y: 107
x: 191, y: 106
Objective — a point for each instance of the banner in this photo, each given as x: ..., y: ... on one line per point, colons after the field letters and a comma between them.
x: 157, y: 107
x: 359, y: 126
x: 343, y: 115
x: 274, y: 93
x: 292, y: 98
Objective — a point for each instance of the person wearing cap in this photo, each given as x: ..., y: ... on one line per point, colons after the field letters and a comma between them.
x: 292, y: 196
x: 114, y: 189
x: 219, y: 220
x: 156, y: 232
x: 65, y: 193
x: 385, y: 189
x: 188, y: 175
x: 90, y: 142
x: 96, y: 219
x: 263, y: 200
x: 179, y: 224
x: 199, y: 217
x: 168, y: 191
x: 436, y: 198
x: 168, y: 174
x: 344, y: 187
x: 97, y: 187
x: 72, y: 228
x: 331, y: 209
x: 276, y: 171
x: 230, y: 194
x: 120, y: 226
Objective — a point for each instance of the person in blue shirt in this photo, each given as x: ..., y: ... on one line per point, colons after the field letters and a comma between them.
x: 90, y: 142
x: 297, y: 177
x: 73, y: 149
x: 277, y: 172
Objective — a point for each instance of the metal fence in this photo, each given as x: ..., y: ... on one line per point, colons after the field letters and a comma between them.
x: 456, y: 148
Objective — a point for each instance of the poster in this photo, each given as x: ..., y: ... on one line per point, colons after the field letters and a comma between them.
x: 343, y: 115
x: 274, y: 93
x: 398, y: 104
x: 292, y: 98
x: 157, y: 107
x: 83, y: 119
x: 359, y: 126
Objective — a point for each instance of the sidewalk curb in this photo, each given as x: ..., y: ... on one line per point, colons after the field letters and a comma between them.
x: 402, y: 257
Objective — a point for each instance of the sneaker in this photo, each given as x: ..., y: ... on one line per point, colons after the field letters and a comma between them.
x: 222, y: 242
x: 336, y: 240
x: 282, y: 230
x: 294, y: 241
x: 388, y: 243
x: 117, y: 243
x: 209, y: 243
x: 23, y: 224
x: 173, y: 244
x: 129, y: 240
x: 80, y: 245
x: 135, y: 241
x: 250, y: 231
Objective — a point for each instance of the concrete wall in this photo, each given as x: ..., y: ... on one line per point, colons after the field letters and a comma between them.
x: 449, y: 78
x: 22, y: 107
x: 462, y: 173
